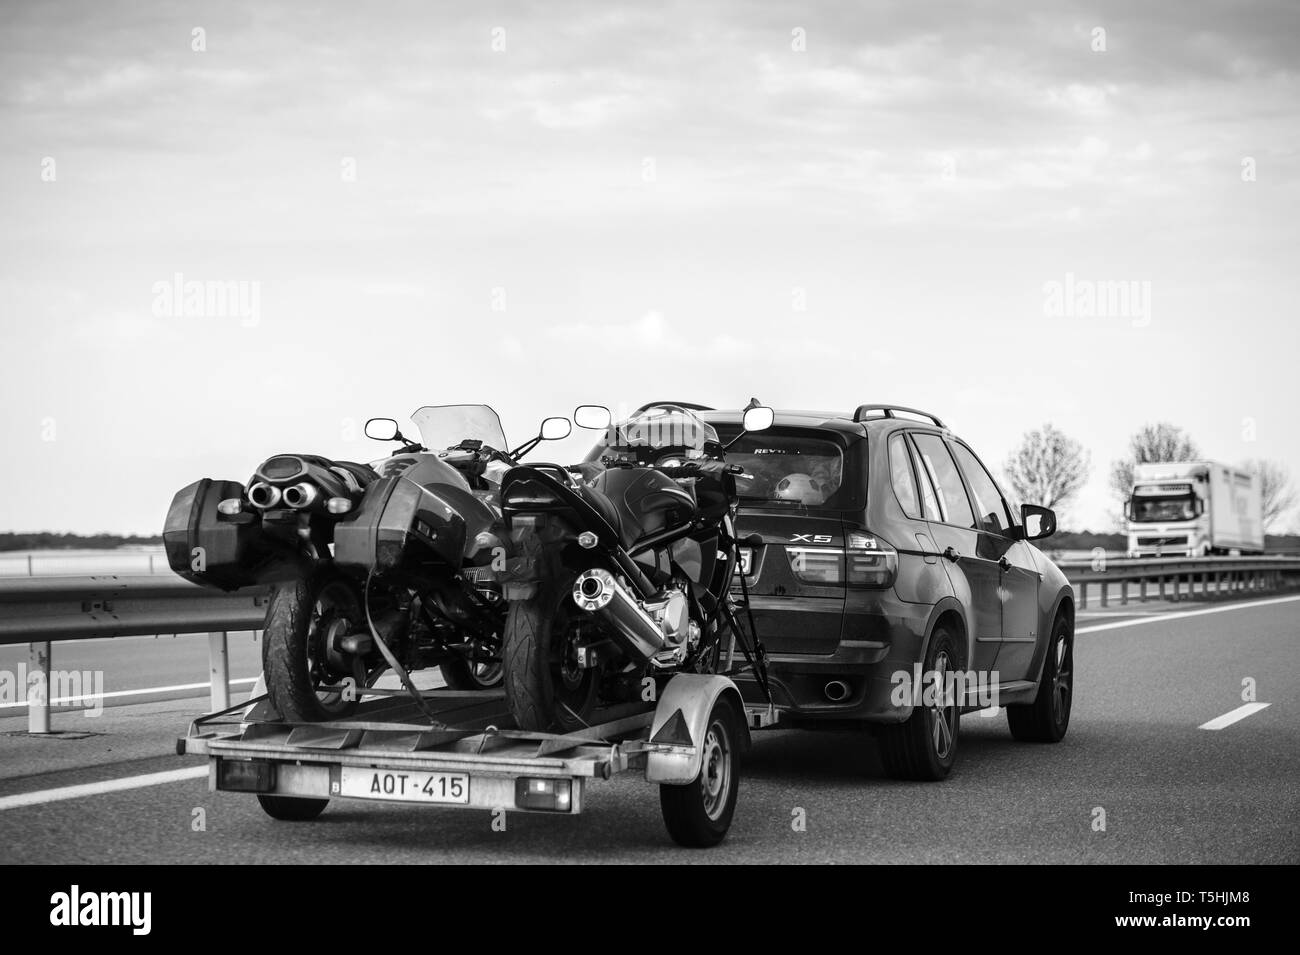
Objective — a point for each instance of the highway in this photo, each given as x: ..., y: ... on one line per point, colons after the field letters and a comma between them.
x: 1148, y: 677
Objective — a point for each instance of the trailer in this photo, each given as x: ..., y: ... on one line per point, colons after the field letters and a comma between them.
x: 458, y: 749
x: 1194, y: 509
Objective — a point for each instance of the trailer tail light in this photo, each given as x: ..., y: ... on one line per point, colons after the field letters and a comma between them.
x: 245, y: 775
x: 544, y: 795
x: 871, y: 562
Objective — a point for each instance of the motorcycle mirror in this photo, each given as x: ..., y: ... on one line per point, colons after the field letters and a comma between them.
x: 596, y: 417
x: 382, y: 429
x: 758, y: 418
x: 553, y: 429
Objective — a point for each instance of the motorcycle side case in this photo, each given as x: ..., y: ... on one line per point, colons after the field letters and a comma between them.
x: 218, y: 550
x: 400, y: 528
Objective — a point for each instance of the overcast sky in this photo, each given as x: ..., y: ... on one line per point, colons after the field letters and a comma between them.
x: 535, y: 206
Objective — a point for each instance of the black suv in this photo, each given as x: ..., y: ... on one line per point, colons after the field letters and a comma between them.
x: 884, y: 566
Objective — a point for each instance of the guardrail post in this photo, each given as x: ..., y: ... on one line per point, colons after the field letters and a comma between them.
x: 1083, y: 595
x: 38, y: 696
x: 1123, y: 591
x: 1105, y: 592
x: 219, y: 670
x: 1142, y: 590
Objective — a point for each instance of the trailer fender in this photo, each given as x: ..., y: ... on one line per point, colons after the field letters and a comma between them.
x: 680, y: 722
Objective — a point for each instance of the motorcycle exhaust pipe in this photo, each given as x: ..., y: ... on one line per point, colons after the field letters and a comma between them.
x: 263, y: 495
x: 300, y: 495
x: 596, y: 591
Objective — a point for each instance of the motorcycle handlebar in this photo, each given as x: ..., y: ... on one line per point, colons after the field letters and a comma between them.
x: 698, y: 468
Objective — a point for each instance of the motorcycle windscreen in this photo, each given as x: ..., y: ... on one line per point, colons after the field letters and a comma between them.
x: 447, y: 426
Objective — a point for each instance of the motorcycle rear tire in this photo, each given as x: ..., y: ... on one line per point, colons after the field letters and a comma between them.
x: 285, y: 652
x: 530, y: 671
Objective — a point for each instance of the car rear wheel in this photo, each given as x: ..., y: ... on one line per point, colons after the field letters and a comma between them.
x: 1047, y: 718
x: 924, y: 747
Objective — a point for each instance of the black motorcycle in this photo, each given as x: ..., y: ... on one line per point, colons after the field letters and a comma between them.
x: 390, y: 565
x: 623, y: 565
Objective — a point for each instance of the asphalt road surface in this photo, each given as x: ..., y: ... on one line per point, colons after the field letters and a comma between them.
x: 1147, y: 679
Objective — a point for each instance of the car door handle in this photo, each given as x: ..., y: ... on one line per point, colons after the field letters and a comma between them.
x: 951, y: 554
x: 1004, y: 563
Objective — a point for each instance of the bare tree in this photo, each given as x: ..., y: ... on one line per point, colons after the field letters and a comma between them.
x: 1048, y: 468
x: 1153, y: 443
x: 1276, y: 489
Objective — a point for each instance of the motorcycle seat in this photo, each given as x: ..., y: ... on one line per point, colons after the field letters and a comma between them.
x: 605, y: 508
x: 643, y: 501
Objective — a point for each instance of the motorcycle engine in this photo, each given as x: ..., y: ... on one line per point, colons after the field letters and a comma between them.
x: 672, y: 613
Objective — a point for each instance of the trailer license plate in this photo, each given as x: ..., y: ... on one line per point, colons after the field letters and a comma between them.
x: 361, y: 783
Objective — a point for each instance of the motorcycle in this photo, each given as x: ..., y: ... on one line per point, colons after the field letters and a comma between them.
x: 623, y: 565
x: 388, y: 565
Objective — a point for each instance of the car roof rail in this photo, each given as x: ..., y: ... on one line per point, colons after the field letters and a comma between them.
x: 889, y: 410
x: 680, y: 404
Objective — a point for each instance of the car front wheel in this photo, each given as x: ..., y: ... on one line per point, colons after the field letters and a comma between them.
x: 1047, y: 718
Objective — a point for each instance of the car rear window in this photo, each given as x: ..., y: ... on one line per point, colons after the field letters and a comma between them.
x: 792, y: 469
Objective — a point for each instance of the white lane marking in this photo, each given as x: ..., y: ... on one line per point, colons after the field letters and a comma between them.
x: 119, y: 693
x: 1227, y: 719
x: 40, y: 797
x: 1159, y: 618
x: 1119, y: 612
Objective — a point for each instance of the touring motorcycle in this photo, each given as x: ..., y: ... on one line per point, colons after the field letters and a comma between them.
x: 388, y: 565
x: 623, y: 564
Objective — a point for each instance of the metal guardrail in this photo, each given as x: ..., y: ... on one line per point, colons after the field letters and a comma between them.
x: 1176, y: 578
x: 39, y: 611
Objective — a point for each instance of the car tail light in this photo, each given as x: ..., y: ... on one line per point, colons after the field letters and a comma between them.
x: 817, y: 565
x: 871, y: 562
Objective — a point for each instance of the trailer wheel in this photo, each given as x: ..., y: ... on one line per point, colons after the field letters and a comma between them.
x: 291, y: 808
x: 301, y: 615
x: 698, y: 814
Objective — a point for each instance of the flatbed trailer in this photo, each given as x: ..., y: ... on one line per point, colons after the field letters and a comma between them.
x: 459, y: 749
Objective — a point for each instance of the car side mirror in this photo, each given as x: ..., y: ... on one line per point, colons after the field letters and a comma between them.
x: 1037, y: 522
x: 382, y: 429
x: 596, y: 417
x: 757, y: 418
x: 553, y: 429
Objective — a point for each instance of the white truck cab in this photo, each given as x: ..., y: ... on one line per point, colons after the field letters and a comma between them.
x: 1194, y: 509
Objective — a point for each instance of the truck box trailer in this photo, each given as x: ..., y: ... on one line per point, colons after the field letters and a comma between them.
x: 1194, y: 509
